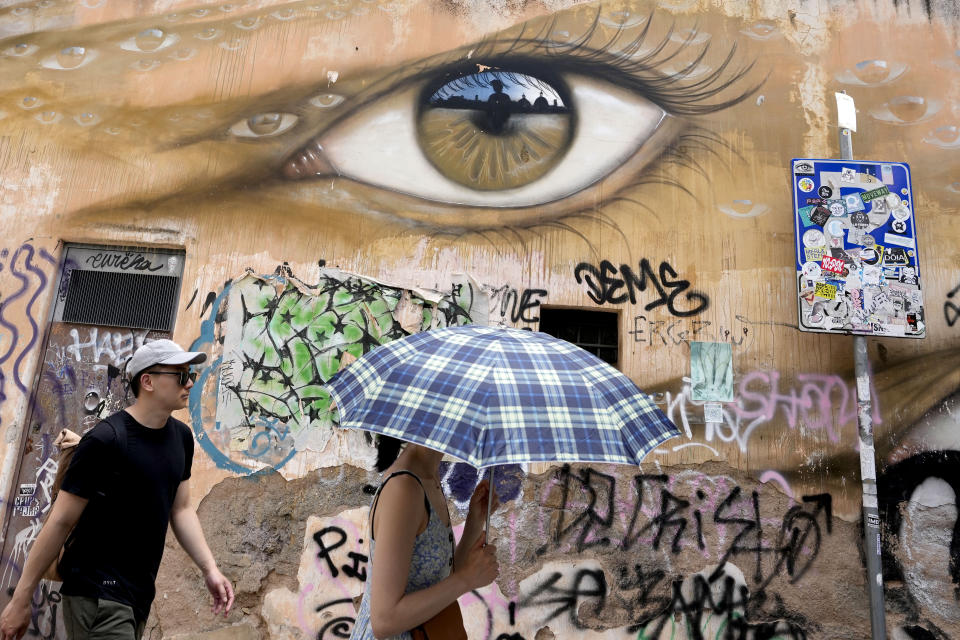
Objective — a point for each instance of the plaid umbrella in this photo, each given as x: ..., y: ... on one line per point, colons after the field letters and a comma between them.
x: 491, y: 396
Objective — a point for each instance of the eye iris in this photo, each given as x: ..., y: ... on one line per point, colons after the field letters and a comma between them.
x: 265, y: 123
x: 872, y: 71
x: 71, y: 57
x: 946, y: 134
x: 325, y: 100
x: 908, y: 108
x: 494, y: 130
x: 150, y: 39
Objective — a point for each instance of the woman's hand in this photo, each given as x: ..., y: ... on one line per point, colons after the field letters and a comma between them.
x: 481, y: 567
x: 476, y: 516
x: 478, y: 502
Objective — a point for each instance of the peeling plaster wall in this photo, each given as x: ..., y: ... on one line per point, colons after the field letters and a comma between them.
x: 292, y: 151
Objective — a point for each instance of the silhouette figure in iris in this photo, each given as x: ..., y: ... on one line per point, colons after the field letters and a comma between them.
x: 498, y: 108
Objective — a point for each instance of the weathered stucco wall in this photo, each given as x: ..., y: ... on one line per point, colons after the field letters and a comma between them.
x: 325, y: 205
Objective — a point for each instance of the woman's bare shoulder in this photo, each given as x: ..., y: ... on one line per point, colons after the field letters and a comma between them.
x: 401, y: 487
x: 401, y: 497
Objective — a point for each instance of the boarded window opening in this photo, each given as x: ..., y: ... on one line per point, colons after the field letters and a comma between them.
x: 594, y: 331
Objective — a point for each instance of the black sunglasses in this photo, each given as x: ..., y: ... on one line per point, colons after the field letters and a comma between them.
x: 182, y: 376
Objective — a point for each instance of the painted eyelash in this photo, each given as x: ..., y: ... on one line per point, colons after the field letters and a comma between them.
x: 641, y: 75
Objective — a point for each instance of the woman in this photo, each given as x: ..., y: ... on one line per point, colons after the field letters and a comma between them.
x: 417, y: 572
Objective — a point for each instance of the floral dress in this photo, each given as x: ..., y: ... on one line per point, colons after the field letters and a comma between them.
x: 431, y: 562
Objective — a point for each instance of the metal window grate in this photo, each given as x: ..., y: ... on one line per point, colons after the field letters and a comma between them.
x: 134, y: 300
x: 594, y: 331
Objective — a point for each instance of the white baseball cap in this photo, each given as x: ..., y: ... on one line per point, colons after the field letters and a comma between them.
x: 161, y: 352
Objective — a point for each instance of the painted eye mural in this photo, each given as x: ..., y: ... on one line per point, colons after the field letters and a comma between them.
x: 264, y: 125
x: 872, y: 73
x: 477, y: 139
x: 527, y: 122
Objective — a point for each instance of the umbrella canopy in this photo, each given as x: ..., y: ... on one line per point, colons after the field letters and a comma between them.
x: 491, y: 396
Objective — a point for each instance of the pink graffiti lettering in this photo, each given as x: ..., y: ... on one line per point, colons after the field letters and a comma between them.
x: 818, y: 402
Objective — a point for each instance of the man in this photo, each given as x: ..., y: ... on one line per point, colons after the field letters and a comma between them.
x: 128, y: 479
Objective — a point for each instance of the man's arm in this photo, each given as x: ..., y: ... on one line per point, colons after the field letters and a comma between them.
x: 63, y: 517
x: 189, y: 533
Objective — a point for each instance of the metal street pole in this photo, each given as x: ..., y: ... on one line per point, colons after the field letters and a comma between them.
x: 868, y: 466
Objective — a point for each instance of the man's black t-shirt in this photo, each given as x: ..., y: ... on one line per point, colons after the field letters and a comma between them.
x: 114, y: 551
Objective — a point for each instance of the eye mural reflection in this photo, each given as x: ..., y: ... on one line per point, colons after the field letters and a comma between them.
x: 482, y: 155
x: 481, y: 130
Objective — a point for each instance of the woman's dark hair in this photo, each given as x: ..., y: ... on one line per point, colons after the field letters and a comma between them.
x: 387, y: 451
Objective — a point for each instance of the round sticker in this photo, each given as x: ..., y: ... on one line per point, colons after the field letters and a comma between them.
x: 813, y: 238
x: 868, y: 241
x: 893, y: 200
x: 824, y: 191
x: 904, y: 191
x: 811, y: 270
x: 835, y: 228
x: 901, y: 213
x: 898, y: 226
x: 837, y: 209
x: 805, y: 184
x: 860, y: 220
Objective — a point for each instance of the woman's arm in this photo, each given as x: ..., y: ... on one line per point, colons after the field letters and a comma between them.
x: 398, y: 518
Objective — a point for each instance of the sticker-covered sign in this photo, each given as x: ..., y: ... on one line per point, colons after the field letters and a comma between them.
x: 856, y: 253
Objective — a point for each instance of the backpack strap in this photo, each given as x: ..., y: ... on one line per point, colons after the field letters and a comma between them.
x: 119, y: 425
x: 376, y: 498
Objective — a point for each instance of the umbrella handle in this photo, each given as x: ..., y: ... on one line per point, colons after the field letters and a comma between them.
x: 486, y: 528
